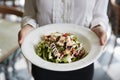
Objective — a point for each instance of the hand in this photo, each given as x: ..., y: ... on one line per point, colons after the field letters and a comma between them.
x: 101, y: 34
x: 23, y: 33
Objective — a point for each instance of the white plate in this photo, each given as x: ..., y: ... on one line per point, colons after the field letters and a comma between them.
x: 86, y: 36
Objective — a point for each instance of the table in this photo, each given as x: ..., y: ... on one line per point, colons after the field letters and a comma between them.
x: 8, y: 38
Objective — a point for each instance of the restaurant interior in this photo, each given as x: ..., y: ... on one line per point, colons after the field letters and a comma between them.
x: 14, y: 66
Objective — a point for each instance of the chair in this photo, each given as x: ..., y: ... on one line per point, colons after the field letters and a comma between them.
x: 12, y: 1
x: 8, y: 36
x: 10, y: 10
x: 13, y: 11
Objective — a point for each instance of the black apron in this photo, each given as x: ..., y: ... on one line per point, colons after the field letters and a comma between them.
x: 80, y: 74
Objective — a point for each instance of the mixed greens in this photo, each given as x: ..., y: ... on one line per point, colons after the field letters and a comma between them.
x: 60, y: 48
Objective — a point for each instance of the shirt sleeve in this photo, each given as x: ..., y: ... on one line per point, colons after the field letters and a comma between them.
x: 100, y: 14
x: 29, y: 13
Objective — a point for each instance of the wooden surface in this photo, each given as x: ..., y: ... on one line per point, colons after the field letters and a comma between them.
x: 10, y: 10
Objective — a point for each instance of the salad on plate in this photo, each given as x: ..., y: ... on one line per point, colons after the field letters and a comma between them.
x: 60, y: 48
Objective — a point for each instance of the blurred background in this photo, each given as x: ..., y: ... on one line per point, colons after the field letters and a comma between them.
x: 13, y: 65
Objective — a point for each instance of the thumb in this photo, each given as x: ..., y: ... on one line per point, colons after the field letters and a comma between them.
x: 20, y: 38
x: 23, y: 33
x: 103, y: 39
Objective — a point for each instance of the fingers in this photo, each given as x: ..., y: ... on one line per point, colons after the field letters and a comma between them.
x: 23, y: 33
x: 101, y: 34
x: 20, y: 39
x: 103, y: 39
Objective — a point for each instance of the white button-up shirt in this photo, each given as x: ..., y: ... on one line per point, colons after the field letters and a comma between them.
x: 88, y: 13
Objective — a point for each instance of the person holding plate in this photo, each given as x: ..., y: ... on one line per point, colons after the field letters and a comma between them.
x: 91, y: 14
